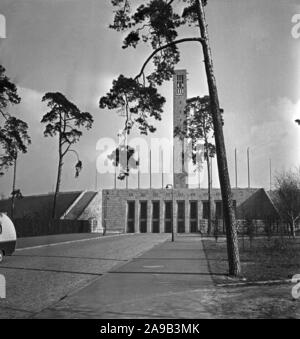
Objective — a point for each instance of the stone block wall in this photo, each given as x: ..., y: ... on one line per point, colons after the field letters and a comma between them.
x: 93, y: 213
x: 114, y: 212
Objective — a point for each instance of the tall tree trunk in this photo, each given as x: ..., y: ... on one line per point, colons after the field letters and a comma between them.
x: 229, y: 217
x: 209, y: 226
x: 13, y: 197
x: 58, y: 181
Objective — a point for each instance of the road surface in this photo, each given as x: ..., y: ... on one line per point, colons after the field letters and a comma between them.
x: 48, y: 269
x: 129, y: 276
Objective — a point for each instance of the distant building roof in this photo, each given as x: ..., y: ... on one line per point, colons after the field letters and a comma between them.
x: 79, y: 206
x: 39, y: 205
x: 258, y: 206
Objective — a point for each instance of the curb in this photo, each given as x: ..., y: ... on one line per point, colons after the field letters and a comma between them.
x: 69, y: 242
x: 258, y: 283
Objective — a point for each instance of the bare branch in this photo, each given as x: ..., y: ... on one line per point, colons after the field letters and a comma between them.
x: 5, y: 115
x: 141, y: 28
x: 176, y: 42
x: 170, y: 2
x: 66, y: 150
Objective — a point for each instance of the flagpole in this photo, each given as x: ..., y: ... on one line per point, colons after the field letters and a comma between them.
x: 236, y: 170
x: 270, y: 175
x: 127, y: 165
x: 150, y: 170
x: 139, y: 172
x: 96, y: 180
x: 248, y: 161
x: 162, y: 170
x: 115, y: 179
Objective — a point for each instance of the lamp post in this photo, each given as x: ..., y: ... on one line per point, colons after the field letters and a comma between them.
x: 171, y: 187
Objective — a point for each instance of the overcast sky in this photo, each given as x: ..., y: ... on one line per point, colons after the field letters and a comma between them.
x: 66, y: 46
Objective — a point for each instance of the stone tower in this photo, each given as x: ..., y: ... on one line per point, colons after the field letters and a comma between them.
x: 179, y: 118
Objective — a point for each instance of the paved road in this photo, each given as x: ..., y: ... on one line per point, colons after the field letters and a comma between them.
x: 158, y: 284
x: 145, y: 277
x: 172, y: 280
x: 46, y: 270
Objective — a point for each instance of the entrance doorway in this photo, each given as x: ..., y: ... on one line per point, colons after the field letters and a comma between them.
x: 181, y: 216
x: 194, y: 216
x: 143, y: 217
x: 155, y: 216
x: 168, y: 216
x: 130, y: 216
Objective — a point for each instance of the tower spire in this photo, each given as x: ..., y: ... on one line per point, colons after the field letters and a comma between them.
x: 179, y: 122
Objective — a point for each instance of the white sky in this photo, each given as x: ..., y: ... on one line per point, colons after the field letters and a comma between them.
x: 65, y: 45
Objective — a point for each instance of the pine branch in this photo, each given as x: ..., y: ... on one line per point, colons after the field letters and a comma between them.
x: 170, y: 2
x: 173, y: 43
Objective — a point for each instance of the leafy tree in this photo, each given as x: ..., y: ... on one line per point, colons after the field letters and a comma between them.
x: 138, y: 101
x: 287, y: 197
x: 198, y: 127
x: 14, y: 136
x: 64, y: 120
x: 157, y: 23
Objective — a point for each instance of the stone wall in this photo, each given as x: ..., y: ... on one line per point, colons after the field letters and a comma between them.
x: 35, y: 227
x: 262, y: 227
x: 114, y: 213
x: 93, y: 213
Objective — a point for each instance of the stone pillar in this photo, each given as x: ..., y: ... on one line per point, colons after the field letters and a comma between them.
x: 149, y: 216
x: 187, y: 216
x: 200, y: 212
x: 162, y: 217
x: 137, y: 217
x: 175, y: 214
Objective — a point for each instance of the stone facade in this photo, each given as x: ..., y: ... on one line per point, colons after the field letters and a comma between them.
x: 93, y: 213
x: 116, y: 207
x: 156, y: 210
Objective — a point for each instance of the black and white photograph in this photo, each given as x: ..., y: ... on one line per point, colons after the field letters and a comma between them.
x: 149, y: 162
